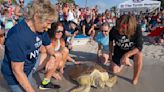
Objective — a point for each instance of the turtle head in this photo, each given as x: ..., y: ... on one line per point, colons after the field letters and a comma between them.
x: 99, y: 82
x: 84, y: 80
x: 111, y: 81
x: 104, y: 76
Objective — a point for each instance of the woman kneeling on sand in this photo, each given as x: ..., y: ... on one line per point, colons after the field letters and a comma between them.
x: 62, y: 52
x: 128, y: 44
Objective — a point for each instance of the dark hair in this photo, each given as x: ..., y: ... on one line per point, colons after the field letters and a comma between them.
x: 52, y: 30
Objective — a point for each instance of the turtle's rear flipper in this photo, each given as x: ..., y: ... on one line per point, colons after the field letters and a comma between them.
x: 81, y: 89
x: 111, y: 81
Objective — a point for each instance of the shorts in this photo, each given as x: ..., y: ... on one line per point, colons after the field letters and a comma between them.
x: 105, y: 49
x: 117, y: 57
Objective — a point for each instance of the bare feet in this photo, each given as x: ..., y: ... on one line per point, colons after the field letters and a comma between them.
x: 57, y: 76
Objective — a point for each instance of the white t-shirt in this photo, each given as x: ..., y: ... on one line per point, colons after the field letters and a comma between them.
x: 70, y: 16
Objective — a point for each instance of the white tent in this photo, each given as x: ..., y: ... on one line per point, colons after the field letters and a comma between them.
x: 136, y: 6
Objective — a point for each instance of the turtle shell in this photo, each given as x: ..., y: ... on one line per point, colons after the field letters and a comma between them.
x: 83, y: 69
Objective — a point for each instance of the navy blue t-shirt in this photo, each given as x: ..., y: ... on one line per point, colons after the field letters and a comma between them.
x: 22, y: 45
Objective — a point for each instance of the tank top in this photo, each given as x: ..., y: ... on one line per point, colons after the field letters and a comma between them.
x: 58, y: 47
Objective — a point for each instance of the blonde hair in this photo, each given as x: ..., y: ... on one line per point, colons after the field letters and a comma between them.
x: 127, y: 25
x: 43, y: 9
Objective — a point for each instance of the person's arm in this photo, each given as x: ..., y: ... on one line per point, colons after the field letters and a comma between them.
x: 16, y: 52
x: 91, y: 29
x: 2, y: 51
x: 17, y: 68
x: 138, y: 44
x: 131, y: 52
x: 83, y: 28
x: 76, y: 31
x: 47, y: 44
x: 99, y: 50
x: 127, y: 55
x: 50, y: 50
x: 17, y: 13
x: 68, y: 34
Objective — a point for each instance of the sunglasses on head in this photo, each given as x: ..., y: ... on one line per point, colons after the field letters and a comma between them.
x: 2, y: 35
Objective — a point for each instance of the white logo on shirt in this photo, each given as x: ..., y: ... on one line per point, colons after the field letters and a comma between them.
x: 37, y: 39
x: 38, y: 42
x: 34, y: 54
x: 124, y: 43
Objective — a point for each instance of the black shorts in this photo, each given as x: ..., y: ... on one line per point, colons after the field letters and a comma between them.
x: 117, y: 58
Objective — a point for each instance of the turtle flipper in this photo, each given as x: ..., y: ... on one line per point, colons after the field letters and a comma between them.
x: 111, y: 81
x: 82, y: 89
x: 84, y: 82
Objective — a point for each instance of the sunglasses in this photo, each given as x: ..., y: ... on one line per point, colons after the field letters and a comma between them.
x: 104, y: 31
x: 2, y: 35
x: 58, y: 31
x: 21, y: 1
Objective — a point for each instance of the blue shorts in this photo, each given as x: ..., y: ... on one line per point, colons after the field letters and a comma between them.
x: 105, y: 49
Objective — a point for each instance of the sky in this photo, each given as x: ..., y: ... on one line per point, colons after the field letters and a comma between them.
x: 102, y: 4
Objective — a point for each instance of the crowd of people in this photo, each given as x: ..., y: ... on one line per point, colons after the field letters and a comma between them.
x: 40, y: 35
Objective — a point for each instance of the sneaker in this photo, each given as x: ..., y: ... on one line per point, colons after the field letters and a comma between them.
x: 49, y: 86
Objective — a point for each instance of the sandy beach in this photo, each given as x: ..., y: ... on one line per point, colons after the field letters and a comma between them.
x: 151, y: 79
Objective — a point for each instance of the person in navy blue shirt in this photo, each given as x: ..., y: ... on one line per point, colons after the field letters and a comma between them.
x: 22, y: 46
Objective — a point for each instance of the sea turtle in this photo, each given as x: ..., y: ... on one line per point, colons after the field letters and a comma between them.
x: 90, y: 75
